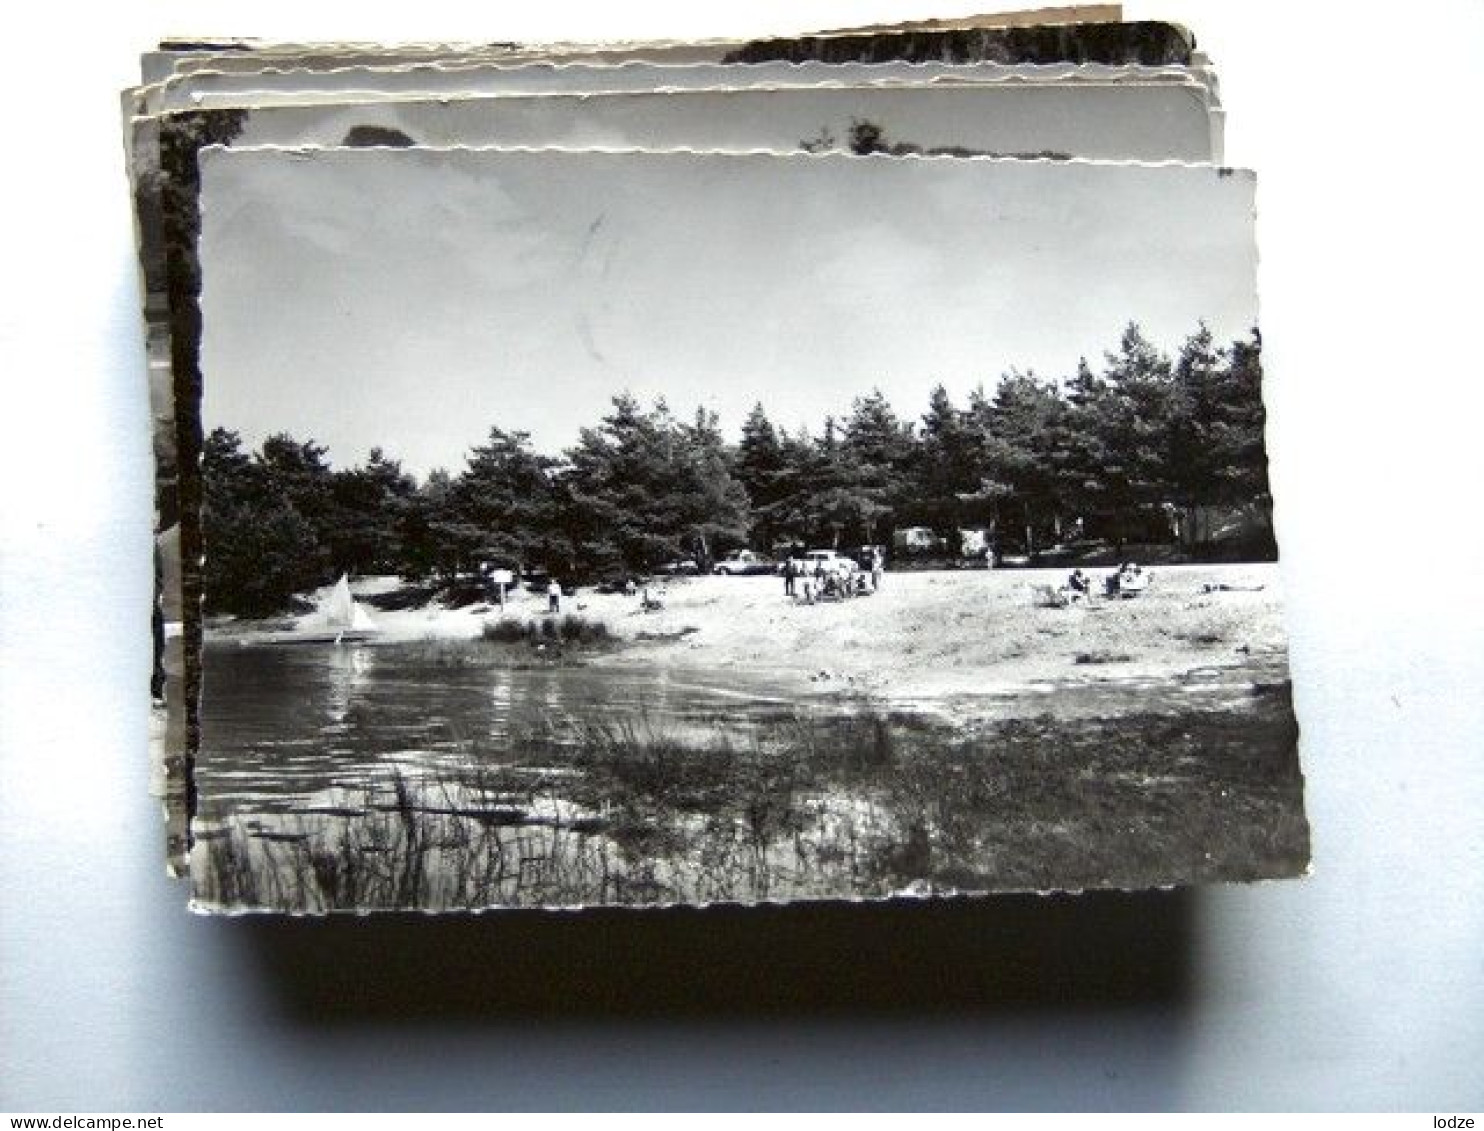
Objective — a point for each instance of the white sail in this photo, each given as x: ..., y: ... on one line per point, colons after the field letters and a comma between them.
x: 342, y: 613
x: 339, y: 606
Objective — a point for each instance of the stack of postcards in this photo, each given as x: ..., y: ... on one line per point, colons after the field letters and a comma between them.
x: 815, y: 468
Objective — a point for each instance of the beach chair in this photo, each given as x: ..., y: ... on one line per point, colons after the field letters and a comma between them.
x: 1132, y: 584
x: 1127, y: 583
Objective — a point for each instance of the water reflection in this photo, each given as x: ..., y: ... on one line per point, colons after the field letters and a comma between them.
x: 348, y: 669
x: 371, y: 777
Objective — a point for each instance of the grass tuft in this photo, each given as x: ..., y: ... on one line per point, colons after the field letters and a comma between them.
x: 1102, y: 657
x: 570, y: 629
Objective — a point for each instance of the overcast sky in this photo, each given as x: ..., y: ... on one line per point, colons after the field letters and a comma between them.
x: 413, y: 298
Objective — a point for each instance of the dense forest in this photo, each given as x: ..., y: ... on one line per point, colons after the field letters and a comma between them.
x: 1136, y: 451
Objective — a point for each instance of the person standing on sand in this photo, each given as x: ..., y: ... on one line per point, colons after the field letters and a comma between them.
x: 790, y: 572
x: 554, y: 596
x: 878, y: 567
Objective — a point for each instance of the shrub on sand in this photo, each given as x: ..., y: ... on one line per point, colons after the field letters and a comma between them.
x: 569, y: 629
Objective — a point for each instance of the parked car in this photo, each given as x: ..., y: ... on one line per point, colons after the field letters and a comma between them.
x: 1070, y: 553
x: 832, y: 560
x: 743, y: 562
x: 679, y: 567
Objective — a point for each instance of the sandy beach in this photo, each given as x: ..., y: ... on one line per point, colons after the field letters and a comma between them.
x: 924, y: 634
x: 945, y: 632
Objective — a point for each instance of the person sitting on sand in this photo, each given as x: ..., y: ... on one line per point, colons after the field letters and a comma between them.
x: 842, y: 584
x: 1116, y: 580
x: 1079, y: 582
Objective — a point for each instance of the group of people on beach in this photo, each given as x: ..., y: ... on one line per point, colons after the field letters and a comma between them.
x: 810, y: 582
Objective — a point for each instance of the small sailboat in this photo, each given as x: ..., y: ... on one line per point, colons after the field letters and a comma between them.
x: 347, y: 616
x: 341, y: 619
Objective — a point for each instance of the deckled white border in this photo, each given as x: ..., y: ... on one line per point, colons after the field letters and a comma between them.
x: 214, y: 153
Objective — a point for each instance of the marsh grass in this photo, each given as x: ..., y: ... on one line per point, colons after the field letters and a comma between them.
x: 510, y: 640
x: 645, y: 810
x: 569, y: 629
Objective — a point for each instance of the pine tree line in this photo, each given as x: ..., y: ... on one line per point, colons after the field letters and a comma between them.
x: 1144, y: 449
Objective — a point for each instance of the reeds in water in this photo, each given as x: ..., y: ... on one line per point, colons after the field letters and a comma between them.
x: 646, y: 808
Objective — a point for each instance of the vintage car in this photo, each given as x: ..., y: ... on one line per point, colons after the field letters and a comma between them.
x: 832, y: 560
x: 743, y: 562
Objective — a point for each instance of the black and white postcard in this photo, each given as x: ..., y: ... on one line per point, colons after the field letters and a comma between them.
x: 206, y: 90
x: 1130, y: 121
x: 589, y: 528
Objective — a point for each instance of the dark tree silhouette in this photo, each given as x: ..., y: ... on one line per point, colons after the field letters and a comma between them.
x: 1145, y: 450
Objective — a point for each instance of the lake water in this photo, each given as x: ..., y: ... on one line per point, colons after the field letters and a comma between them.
x: 383, y: 776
